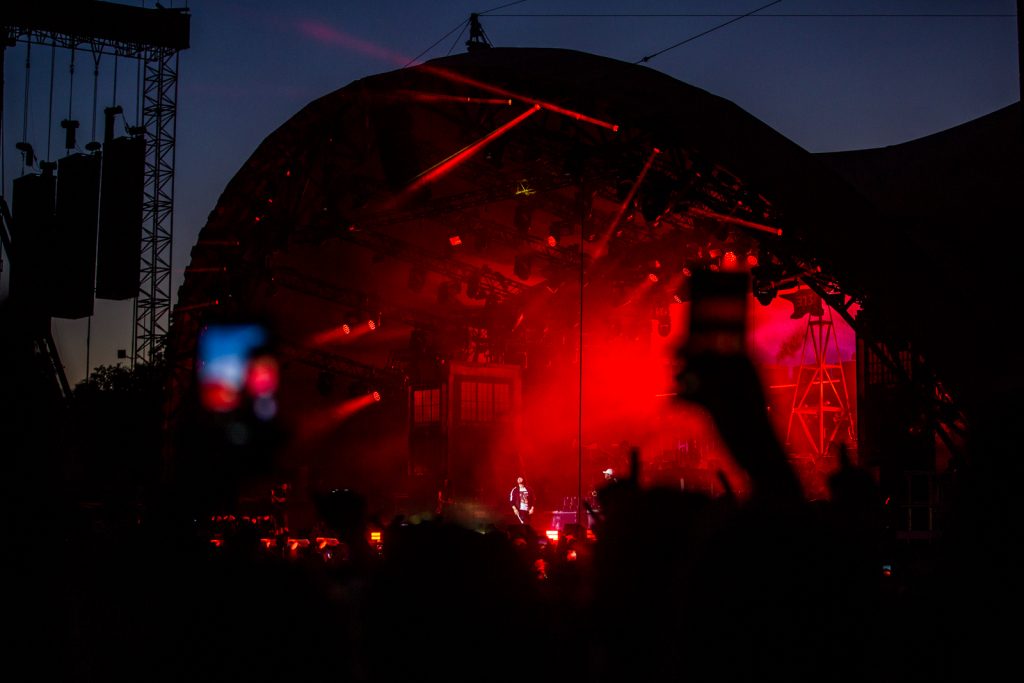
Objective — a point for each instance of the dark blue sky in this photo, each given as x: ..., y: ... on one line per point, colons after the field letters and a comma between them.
x: 827, y: 83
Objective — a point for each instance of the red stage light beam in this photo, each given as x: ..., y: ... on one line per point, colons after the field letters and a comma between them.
x: 331, y: 36
x: 341, y: 333
x: 321, y: 421
x: 550, y: 106
x: 445, y: 166
x: 602, y: 244
x: 698, y: 211
x: 419, y: 96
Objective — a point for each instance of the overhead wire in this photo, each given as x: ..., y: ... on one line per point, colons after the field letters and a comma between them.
x: 458, y: 37
x: 773, y: 15
x: 647, y: 58
x: 461, y: 25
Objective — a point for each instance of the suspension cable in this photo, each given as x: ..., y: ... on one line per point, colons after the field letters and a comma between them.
x: 71, y: 81
x: 24, y: 122
x: 95, y: 86
x: 49, y: 110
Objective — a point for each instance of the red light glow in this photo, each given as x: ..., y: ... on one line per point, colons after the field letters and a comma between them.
x: 552, y: 241
x: 459, y: 78
x: 218, y: 397
x: 263, y: 376
x: 552, y: 534
x: 602, y: 244
x: 320, y: 422
x: 371, y: 324
x: 343, y: 333
x: 697, y: 211
x: 455, y: 240
x: 418, y: 96
x: 376, y: 396
x: 445, y: 166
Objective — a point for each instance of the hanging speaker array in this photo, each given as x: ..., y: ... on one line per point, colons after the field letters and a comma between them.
x: 120, y: 227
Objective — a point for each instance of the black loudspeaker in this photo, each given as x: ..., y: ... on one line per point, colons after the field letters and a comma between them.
x: 120, y: 230
x: 74, y: 246
x: 560, y: 519
x: 32, y: 206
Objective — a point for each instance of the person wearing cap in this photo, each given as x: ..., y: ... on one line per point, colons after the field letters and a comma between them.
x: 522, y: 501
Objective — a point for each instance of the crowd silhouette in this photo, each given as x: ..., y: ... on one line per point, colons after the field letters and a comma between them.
x: 667, y: 584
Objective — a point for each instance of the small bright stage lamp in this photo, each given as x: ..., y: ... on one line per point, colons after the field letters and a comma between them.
x: 346, y: 329
x: 372, y: 324
x: 376, y: 396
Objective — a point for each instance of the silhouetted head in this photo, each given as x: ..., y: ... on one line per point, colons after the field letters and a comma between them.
x: 342, y: 509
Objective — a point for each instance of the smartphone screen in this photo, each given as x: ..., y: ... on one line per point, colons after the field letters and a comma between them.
x: 718, y: 312
x: 234, y: 365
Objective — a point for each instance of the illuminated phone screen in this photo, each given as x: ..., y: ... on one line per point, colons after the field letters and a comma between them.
x: 233, y: 365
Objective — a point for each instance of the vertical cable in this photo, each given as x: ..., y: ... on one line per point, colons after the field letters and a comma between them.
x: 579, y: 424
x: 95, y: 87
x: 28, y: 78
x: 49, y: 111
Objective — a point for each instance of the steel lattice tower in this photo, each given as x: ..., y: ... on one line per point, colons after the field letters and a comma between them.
x: 155, y: 37
x: 153, y: 303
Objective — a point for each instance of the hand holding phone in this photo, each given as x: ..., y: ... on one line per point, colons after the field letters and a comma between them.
x: 717, y: 330
x: 718, y: 313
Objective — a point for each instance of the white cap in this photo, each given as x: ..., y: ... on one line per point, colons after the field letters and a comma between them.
x: 607, y: 472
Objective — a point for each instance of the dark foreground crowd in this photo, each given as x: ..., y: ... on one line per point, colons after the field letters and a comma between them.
x: 670, y: 585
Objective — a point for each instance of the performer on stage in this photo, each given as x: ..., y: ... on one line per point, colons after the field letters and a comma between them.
x: 522, y: 501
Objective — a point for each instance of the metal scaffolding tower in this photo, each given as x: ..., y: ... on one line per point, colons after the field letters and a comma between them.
x: 821, y: 405
x: 153, y: 303
x: 155, y: 37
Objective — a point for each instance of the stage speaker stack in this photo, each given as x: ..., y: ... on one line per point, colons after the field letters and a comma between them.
x: 74, y: 246
x: 120, y: 229
x: 32, y: 206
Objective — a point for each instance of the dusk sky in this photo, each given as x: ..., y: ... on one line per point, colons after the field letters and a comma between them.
x: 873, y: 74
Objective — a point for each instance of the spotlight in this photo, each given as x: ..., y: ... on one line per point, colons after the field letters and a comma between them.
x: 729, y: 260
x: 29, y: 154
x: 454, y: 240
x: 552, y: 241
x: 346, y: 329
x: 69, y: 126
x: 652, y: 277
x: 752, y: 260
x: 371, y: 324
x: 376, y: 396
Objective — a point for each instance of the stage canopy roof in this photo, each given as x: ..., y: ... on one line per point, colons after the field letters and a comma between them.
x: 462, y: 203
